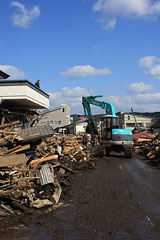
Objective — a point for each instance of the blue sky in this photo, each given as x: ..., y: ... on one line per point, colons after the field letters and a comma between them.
x: 85, y: 47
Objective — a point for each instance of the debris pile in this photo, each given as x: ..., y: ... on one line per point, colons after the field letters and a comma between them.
x: 37, y: 169
x: 148, y: 144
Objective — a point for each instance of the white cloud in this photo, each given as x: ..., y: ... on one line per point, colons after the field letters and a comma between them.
x: 121, y: 103
x: 140, y: 103
x: 14, y: 72
x: 147, y: 61
x: 84, y: 71
x: 152, y: 65
x: 70, y: 96
x: 110, y: 24
x: 139, y: 87
x: 24, y: 17
x: 148, y: 98
x: 73, y: 98
x: 110, y: 10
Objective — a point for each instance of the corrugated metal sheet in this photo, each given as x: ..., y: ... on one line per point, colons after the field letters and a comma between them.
x: 34, y: 134
x: 37, y: 131
x: 46, y: 174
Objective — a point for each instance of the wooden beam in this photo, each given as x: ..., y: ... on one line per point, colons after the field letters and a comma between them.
x: 13, y: 160
x: 9, y: 124
x: 39, y: 160
x: 23, y: 148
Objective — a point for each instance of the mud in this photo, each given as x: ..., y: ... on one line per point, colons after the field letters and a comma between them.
x: 117, y: 200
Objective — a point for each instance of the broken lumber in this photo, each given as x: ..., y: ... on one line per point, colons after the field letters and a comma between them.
x: 11, y: 150
x: 23, y: 148
x: 10, y: 124
x: 13, y: 160
x: 44, y: 159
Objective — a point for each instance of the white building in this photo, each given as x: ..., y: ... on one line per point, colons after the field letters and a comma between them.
x: 129, y: 121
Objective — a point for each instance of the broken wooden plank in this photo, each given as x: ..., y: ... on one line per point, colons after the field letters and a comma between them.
x: 10, y: 124
x: 39, y: 160
x: 11, y: 150
x: 13, y: 160
x: 66, y: 168
x: 23, y: 148
x: 6, y: 132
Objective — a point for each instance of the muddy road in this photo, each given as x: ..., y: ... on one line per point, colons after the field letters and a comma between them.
x: 120, y: 199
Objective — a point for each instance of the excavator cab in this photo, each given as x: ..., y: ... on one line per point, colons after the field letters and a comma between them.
x: 108, y: 122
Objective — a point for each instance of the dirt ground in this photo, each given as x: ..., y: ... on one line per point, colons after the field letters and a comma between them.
x: 120, y: 199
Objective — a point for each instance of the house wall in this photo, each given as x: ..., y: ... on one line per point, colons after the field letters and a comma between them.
x: 81, y: 127
x: 57, y: 117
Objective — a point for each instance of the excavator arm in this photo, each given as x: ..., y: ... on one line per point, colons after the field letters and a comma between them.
x: 86, y: 101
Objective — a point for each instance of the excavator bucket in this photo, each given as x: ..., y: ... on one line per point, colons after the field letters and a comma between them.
x: 91, y: 129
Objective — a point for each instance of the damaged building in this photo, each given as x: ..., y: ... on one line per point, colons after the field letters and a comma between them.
x: 19, y: 100
x: 57, y: 118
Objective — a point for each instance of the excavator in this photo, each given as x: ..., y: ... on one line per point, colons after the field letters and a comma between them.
x: 112, y: 138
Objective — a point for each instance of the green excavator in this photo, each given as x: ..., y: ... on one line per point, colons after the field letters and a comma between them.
x: 112, y: 138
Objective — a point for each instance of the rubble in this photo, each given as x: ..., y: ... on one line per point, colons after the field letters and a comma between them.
x: 37, y: 169
x: 148, y: 145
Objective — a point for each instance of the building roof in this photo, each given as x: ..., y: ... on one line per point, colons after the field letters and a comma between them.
x: 96, y: 117
x: 53, y: 109
x: 154, y: 115
x: 37, y: 132
x: 144, y: 134
x: 3, y: 75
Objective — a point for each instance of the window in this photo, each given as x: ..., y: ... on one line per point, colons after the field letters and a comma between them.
x: 141, y: 124
x: 128, y: 117
x: 49, y: 122
x: 55, y: 122
x: 130, y: 124
x: 63, y: 109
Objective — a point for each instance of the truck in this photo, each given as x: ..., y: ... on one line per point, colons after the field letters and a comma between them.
x: 111, y: 137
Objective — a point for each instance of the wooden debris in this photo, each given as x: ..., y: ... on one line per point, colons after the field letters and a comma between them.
x: 40, y: 160
x: 10, y: 124
x: 149, y: 146
x: 21, y: 149
x: 13, y: 160
x: 24, y: 180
